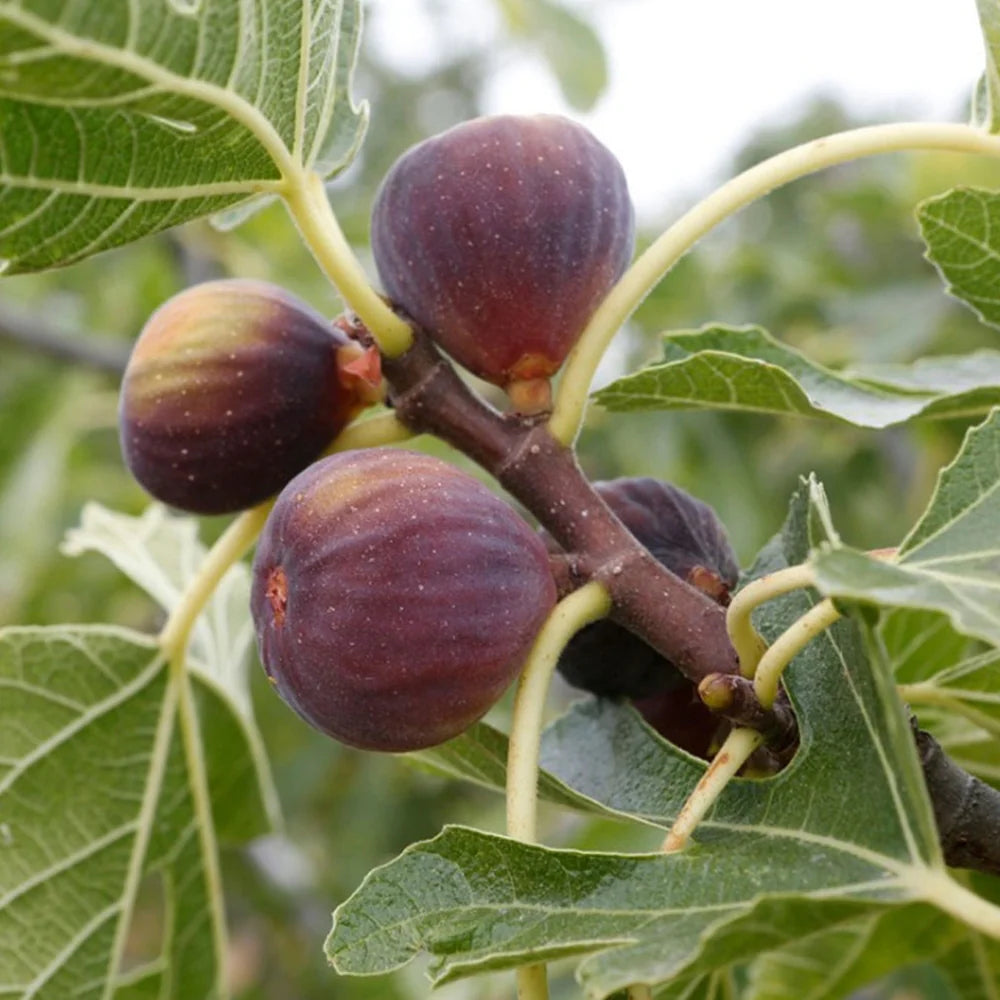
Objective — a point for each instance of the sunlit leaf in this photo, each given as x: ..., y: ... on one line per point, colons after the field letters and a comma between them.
x: 574, y: 51
x: 950, y: 560
x: 102, y: 786
x: 119, y: 120
x: 745, y: 369
x: 960, y: 230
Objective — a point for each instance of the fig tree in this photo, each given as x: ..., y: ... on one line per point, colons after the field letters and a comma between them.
x: 395, y: 598
x: 500, y: 237
x: 232, y: 388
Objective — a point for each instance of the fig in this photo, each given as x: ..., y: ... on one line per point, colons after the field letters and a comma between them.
x: 395, y: 598
x: 232, y: 388
x: 686, y: 536
x: 500, y: 237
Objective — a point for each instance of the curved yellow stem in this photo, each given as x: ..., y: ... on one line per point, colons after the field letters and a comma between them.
x: 746, y: 641
x: 305, y: 197
x: 732, y: 755
x: 651, y: 266
x: 383, y: 429
x: 583, y: 606
x: 780, y: 653
x: 231, y: 546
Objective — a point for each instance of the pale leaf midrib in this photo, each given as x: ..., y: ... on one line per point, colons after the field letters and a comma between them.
x: 144, y: 825
x: 92, y: 925
x: 651, y: 915
x: 178, y: 192
x: 301, y: 89
x: 67, y: 863
x: 94, y: 712
x: 237, y: 107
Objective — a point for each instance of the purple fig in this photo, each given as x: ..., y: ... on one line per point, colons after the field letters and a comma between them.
x: 232, y: 388
x: 500, y: 237
x: 395, y: 598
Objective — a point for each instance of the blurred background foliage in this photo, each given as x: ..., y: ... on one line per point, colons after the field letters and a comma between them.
x: 831, y: 264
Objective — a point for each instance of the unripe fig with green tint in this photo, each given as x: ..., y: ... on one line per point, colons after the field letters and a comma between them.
x: 395, y: 598
x: 500, y: 237
x: 686, y: 536
x: 232, y: 388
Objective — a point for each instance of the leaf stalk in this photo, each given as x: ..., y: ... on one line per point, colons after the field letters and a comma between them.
x: 791, y: 164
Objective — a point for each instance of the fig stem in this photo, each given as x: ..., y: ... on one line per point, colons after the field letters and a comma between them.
x: 304, y: 195
x: 194, y: 755
x: 649, y: 268
x: 232, y: 544
x: 780, y: 653
x: 583, y: 606
x: 747, y: 642
x: 732, y: 755
x: 384, y: 428
x: 684, y: 624
x: 532, y: 983
x: 639, y: 991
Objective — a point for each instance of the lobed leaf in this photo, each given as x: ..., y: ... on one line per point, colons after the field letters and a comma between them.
x: 120, y: 120
x: 745, y: 369
x: 950, y: 560
x: 99, y: 778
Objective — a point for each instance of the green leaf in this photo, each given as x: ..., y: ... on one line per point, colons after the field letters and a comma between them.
x: 834, y: 964
x: 161, y: 553
x: 776, y: 860
x: 155, y: 114
x: 988, y: 110
x: 950, y: 560
x: 745, y: 369
x: 101, y: 791
x: 479, y: 755
x: 959, y: 228
x: 574, y: 51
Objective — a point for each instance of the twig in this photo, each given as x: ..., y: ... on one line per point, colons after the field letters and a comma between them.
x: 966, y: 810
x: 80, y: 348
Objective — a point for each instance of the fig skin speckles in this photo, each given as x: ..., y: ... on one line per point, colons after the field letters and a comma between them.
x: 232, y: 388
x: 501, y: 236
x: 410, y: 597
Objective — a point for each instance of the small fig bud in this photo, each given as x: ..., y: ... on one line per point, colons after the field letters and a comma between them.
x: 686, y: 536
x: 395, y: 598
x: 500, y: 237
x: 232, y: 388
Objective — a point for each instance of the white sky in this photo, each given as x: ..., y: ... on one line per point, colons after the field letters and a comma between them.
x: 691, y: 79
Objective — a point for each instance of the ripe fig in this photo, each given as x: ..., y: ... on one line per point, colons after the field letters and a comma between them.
x: 686, y: 536
x: 500, y: 237
x: 395, y: 598
x: 232, y: 388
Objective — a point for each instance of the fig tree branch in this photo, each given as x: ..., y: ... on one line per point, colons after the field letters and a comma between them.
x: 685, y: 625
x: 76, y: 348
x: 681, y: 623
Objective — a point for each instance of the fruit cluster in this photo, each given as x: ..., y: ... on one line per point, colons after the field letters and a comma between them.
x: 395, y: 597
